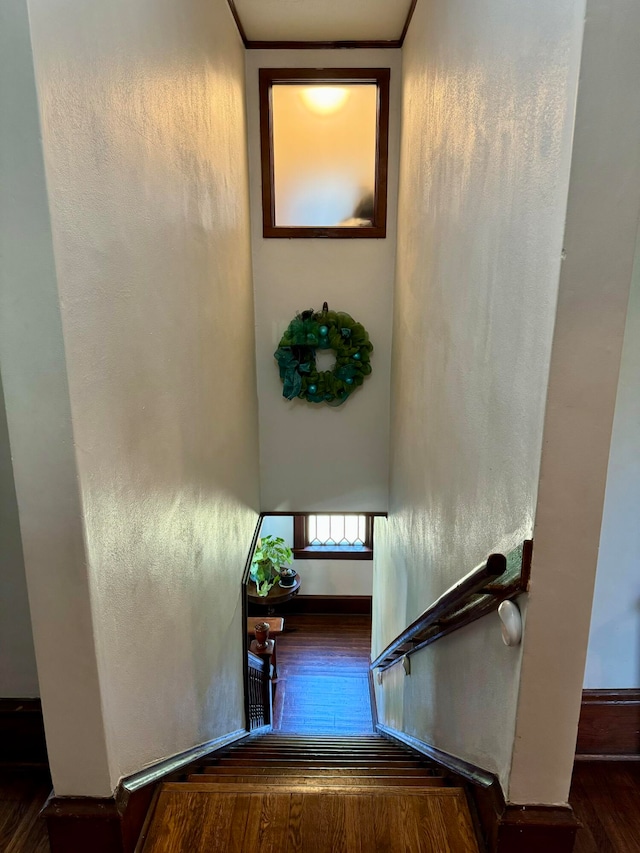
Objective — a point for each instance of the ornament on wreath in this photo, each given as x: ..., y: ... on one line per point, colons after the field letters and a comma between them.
x: 324, y: 330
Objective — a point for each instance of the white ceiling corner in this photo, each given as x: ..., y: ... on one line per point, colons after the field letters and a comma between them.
x: 323, y: 20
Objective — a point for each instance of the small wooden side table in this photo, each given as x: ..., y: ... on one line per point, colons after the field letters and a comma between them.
x: 277, y: 595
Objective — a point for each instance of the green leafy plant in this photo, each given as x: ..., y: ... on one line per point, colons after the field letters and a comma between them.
x: 271, y: 552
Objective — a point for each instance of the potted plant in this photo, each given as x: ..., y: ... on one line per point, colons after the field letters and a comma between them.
x: 271, y: 552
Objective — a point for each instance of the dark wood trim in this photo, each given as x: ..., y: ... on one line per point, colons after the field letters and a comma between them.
x: 609, y: 724
x: 22, y: 739
x: 329, y: 605
x: 270, y: 76
x: 383, y: 44
x: 318, y: 553
x: 463, y: 769
x: 299, y: 533
x: 405, y: 29
x: 303, y: 551
x: 464, y: 603
x: 239, y: 25
x: 534, y: 828
x: 252, y: 548
x: 292, y: 512
x: 114, y: 824
x: 245, y: 613
x: 505, y: 827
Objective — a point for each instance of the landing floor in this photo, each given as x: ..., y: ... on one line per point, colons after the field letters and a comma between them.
x: 322, y: 685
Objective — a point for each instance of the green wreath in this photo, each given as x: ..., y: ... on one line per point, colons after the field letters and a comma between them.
x: 296, y: 356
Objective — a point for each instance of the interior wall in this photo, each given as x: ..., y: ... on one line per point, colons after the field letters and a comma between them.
x: 317, y: 457
x: 613, y: 657
x: 599, y: 243
x: 143, y: 127
x: 18, y: 673
x: 488, y: 94
x: 34, y: 377
x: 323, y: 577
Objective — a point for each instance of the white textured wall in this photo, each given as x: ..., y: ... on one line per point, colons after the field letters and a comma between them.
x: 318, y: 457
x: 37, y: 402
x: 18, y: 674
x: 613, y: 658
x: 599, y: 242
x: 323, y: 577
x: 142, y: 110
x: 488, y: 92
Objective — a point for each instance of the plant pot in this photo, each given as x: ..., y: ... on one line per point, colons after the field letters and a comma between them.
x: 287, y: 578
x: 261, y: 630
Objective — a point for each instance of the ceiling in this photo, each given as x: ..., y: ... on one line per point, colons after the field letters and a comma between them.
x: 322, y: 20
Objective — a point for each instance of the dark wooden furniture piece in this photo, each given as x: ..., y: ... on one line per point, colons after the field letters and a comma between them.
x: 259, y: 692
x: 277, y: 595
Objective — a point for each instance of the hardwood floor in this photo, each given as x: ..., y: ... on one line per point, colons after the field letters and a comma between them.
x: 322, y: 685
x: 22, y: 795
x: 305, y: 820
x: 605, y: 795
x: 606, y: 799
x: 326, y: 794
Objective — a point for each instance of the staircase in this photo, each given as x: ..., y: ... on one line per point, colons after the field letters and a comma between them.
x: 295, y: 794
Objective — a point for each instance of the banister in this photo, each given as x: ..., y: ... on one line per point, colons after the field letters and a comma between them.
x: 477, y: 594
x: 255, y: 661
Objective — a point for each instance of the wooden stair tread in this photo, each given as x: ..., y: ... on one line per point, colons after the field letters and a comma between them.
x: 188, y: 820
x: 296, y: 771
x: 327, y: 762
x: 426, y: 781
x: 252, y: 788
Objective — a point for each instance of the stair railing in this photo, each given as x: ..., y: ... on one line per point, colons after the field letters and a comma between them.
x: 478, y: 593
x: 258, y: 692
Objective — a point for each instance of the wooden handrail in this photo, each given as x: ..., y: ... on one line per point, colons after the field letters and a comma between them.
x: 453, y: 609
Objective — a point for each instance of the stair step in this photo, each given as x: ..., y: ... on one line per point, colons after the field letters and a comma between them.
x: 327, y: 762
x: 252, y: 770
x: 311, y: 748
x: 297, y: 755
x: 325, y: 781
x: 248, y: 788
x: 324, y: 740
x: 191, y: 817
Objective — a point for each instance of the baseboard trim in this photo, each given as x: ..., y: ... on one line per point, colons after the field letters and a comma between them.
x: 469, y: 772
x: 504, y: 827
x: 22, y: 740
x: 114, y: 824
x: 328, y: 605
x: 609, y: 725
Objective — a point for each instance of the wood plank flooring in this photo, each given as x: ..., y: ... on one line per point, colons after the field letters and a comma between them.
x: 605, y: 796
x: 300, y: 820
x: 322, y: 685
x: 606, y: 799
x: 22, y: 795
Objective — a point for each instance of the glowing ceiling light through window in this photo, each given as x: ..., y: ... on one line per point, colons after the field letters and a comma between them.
x: 324, y: 99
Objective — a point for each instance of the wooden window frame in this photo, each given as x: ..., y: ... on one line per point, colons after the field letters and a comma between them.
x: 378, y: 76
x: 304, y: 551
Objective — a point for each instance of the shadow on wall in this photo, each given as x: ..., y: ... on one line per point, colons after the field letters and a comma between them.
x: 18, y: 674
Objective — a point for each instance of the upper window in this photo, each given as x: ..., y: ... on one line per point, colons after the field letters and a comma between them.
x: 347, y: 536
x: 324, y: 137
